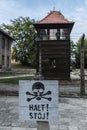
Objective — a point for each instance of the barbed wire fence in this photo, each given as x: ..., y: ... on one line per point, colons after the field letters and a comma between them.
x: 82, y: 61
x: 76, y: 36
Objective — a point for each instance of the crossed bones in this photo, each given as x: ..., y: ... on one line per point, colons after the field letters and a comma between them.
x: 38, y: 97
x: 38, y: 92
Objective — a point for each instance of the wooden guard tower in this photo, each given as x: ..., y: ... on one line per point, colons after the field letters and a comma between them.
x: 53, y: 46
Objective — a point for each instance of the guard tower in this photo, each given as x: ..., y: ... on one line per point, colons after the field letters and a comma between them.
x: 53, y: 46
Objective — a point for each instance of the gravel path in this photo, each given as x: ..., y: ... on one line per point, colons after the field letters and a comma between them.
x: 72, y: 115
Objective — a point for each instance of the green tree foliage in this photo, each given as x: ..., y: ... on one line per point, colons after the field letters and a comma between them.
x: 73, y: 49
x: 23, y: 33
x: 73, y: 53
x: 77, y: 52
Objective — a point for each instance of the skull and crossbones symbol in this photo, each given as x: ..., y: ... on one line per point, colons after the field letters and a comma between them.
x: 38, y: 92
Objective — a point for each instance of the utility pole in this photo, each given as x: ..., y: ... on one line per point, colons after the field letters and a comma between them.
x: 82, y: 78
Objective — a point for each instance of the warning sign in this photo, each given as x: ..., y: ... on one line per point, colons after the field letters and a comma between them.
x: 38, y: 100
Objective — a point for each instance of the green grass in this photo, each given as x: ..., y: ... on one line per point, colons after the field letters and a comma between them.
x: 18, y: 69
x: 6, y: 75
x: 20, y: 66
x: 15, y: 80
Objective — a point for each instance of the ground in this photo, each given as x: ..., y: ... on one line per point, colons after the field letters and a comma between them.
x: 72, y: 107
x: 72, y: 115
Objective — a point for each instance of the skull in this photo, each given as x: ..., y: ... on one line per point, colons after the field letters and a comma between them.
x: 38, y: 90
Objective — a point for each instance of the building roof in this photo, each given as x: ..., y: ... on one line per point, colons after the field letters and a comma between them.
x: 6, y: 34
x: 54, y: 17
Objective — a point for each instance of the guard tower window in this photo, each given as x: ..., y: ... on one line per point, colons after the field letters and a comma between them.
x: 53, y: 34
x: 42, y: 34
x: 64, y: 34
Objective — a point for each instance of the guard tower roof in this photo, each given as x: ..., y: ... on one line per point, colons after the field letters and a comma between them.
x: 54, y: 17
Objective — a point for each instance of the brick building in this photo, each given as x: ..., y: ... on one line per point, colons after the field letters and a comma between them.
x: 5, y: 51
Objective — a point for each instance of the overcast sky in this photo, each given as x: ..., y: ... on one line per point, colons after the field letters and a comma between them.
x: 74, y: 10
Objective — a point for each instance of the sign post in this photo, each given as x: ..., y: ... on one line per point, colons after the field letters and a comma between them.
x: 43, y: 126
x: 38, y: 101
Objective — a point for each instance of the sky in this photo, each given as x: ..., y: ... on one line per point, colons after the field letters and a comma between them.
x: 73, y: 10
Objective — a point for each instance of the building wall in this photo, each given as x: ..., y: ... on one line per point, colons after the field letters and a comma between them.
x: 5, y: 52
x: 55, y: 56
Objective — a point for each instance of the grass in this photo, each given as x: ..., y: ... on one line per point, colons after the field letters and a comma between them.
x: 15, y: 80
x: 20, y: 66
x: 17, y: 69
x: 7, y: 74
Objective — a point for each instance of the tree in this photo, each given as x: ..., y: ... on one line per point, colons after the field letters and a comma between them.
x: 73, y: 51
x: 77, y: 52
x: 23, y: 33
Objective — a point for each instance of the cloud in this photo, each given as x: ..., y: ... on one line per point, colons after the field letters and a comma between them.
x: 8, y: 10
x: 12, y: 9
x: 86, y: 2
x: 38, y: 9
x: 8, y: 5
x: 80, y: 9
x: 79, y: 16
